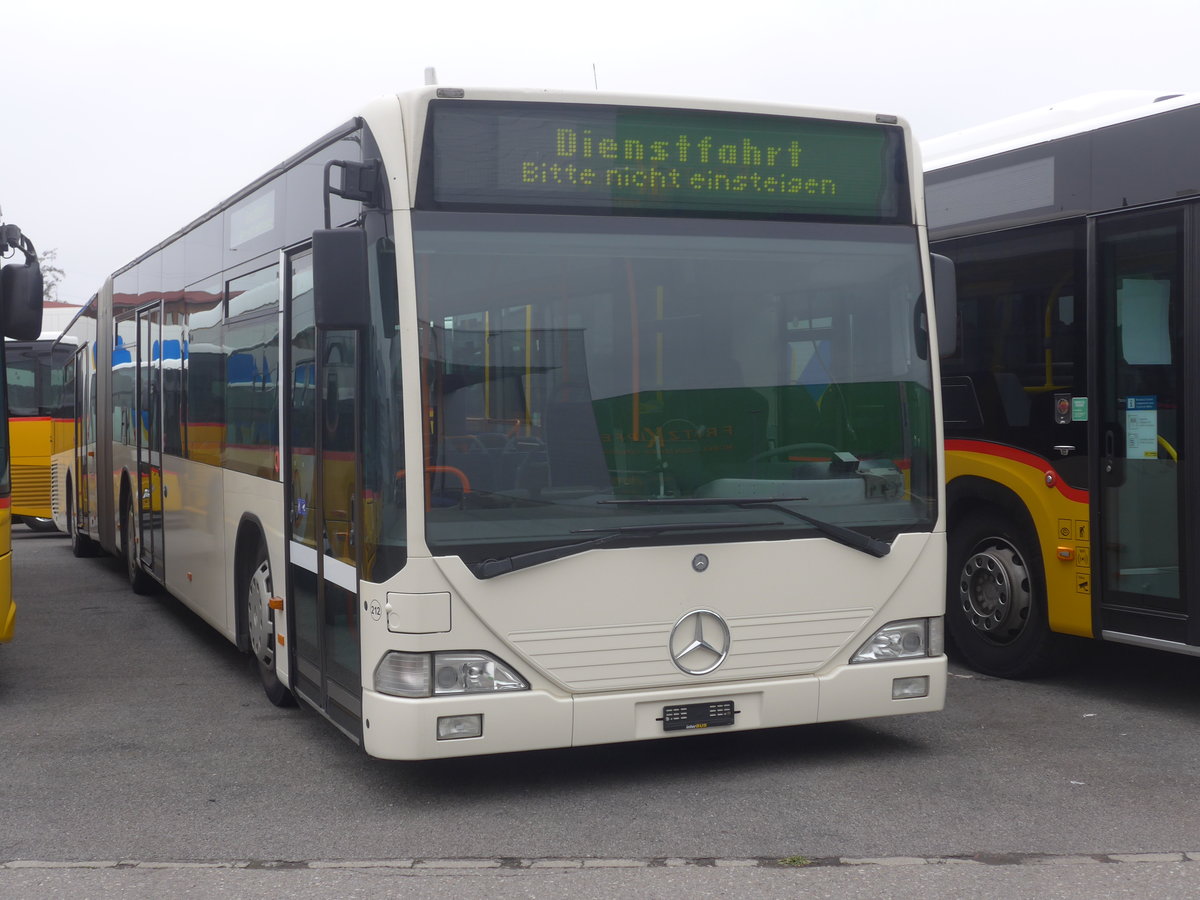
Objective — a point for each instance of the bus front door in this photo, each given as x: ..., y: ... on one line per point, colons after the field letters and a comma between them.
x: 1141, y: 428
x: 322, y: 512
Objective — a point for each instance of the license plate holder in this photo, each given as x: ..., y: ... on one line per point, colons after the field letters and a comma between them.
x: 693, y: 716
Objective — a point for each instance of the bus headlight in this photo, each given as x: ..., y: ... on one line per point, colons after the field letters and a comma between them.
x: 909, y: 639
x: 455, y: 672
x: 470, y: 673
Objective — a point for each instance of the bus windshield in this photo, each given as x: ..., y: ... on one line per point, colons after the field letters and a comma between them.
x: 570, y: 361
x: 34, y: 378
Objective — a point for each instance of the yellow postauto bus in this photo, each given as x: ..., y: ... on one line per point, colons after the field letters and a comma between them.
x: 8, y: 609
x: 34, y: 376
x: 21, y: 317
x: 1068, y: 402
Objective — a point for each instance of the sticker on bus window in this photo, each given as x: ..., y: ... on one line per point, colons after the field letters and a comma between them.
x: 1141, y: 427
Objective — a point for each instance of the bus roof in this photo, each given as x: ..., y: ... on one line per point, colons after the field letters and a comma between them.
x: 1083, y: 157
x: 412, y: 100
x: 1068, y: 117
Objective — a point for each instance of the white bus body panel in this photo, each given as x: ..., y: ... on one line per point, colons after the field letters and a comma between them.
x: 260, y: 500
x: 195, y: 549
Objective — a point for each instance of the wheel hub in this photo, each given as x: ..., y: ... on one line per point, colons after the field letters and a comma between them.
x: 258, y: 615
x: 994, y: 591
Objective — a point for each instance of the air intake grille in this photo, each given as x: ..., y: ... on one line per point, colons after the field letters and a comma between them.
x: 30, y: 488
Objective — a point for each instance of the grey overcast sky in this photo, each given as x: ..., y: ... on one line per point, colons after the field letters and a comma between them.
x: 123, y: 120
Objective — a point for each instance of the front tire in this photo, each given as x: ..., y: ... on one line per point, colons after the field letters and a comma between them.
x: 996, y: 599
x: 39, y: 524
x: 256, y: 589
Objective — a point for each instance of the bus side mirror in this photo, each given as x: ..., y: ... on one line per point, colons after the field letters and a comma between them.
x: 945, y: 301
x: 341, y: 298
x: 21, y: 299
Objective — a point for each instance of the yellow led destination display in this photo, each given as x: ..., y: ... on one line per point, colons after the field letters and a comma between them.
x: 662, y: 161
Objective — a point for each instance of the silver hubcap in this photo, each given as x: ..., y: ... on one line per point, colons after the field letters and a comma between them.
x: 993, y: 590
x: 258, y: 596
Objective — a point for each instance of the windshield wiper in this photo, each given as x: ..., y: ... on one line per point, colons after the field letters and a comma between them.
x: 848, y: 536
x: 490, y: 568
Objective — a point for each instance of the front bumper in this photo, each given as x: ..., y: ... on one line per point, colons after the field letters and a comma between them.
x: 401, y: 728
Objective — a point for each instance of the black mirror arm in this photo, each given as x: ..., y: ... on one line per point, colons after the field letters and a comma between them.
x: 360, y: 181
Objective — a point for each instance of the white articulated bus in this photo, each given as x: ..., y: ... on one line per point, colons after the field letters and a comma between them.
x: 500, y: 420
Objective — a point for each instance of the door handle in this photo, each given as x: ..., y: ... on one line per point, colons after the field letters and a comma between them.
x: 1064, y: 449
x: 1110, y: 442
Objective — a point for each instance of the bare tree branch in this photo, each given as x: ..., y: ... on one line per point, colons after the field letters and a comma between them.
x: 51, y: 274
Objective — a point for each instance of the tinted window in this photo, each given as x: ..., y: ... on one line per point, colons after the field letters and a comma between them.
x: 21, y: 372
x: 256, y: 292
x: 304, y: 209
x: 202, y: 251
x: 1022, y: 348
x: 124, y: 368
x: 171, y: 354
x: 252, y: 226
x: 382, y: 417
x: 204, y: 376
x: 252, y: 378
x: 149, y: 278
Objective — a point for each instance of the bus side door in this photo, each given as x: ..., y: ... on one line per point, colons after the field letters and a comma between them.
x: 323, y: 519
x: 1142, y: 424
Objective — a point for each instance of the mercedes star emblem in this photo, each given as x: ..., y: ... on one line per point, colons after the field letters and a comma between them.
x: 699, y: 642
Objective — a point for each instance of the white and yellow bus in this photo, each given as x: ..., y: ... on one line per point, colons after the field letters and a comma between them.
x: 1067, y: 401
x: 501, y: 420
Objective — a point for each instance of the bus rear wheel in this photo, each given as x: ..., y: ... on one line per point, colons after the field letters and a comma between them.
x: 40, y: 524
x: 256, y: 590
x: 995, y: 599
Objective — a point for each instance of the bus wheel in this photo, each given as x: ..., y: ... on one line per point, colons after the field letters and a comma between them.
x: 995, y: 599
x: 256, y: 591
x: 139, y: 581
x: 37, y: 523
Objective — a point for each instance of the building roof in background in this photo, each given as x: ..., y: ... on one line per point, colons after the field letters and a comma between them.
x: 56, y: 315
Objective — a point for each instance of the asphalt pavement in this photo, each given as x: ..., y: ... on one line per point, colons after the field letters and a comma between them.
x: 139, y: 757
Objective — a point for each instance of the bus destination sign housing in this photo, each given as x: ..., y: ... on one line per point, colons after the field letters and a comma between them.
x: 496, y: 155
